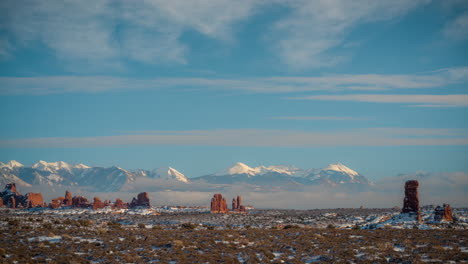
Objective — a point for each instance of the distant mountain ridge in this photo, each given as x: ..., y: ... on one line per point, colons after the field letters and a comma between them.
x: 114, y: 178
x: 333, y: 174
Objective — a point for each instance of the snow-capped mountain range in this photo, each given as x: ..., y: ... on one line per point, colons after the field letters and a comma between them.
x: 115, y: 178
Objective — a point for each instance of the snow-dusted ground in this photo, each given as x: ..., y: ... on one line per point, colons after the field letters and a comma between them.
x: 181, y: 234
x: 168, y: 216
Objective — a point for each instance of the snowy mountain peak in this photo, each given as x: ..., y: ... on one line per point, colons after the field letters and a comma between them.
x: 51, y: 166
x: 58, y: 165
x: 238, y: 168
x: 11, y: 164
x: 169, y: 173
x: 340, y: 168
x: 81, y: 166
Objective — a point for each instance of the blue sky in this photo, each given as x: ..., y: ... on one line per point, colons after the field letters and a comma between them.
x: 380, y: 86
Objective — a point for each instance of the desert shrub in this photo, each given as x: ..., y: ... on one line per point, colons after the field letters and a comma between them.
x: 330, y: 226
x: 113, y: 224
x: 141, y: 225
x: 188, y: 226
x: 13, y: 222
x: 291, y: 227
x: 47, y: 226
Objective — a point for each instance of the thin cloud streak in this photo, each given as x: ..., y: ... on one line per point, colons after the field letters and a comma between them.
x: 420, y: 100
x: 320, y: 118
x: 250, y: 138
x: 345, y: 82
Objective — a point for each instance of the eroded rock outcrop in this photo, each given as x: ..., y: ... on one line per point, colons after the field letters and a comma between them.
x: 80, y: 201
x: 237, y: 204
x: 11, y: 197
x: 97, y: 203
x: 411, y: 201
x: 119, y: 204
x: 142, y: 200
x: 443, y: 213
x: 56, y: 203
x: 218, y: 204
x: 33, y: 200
x: 68, y: 200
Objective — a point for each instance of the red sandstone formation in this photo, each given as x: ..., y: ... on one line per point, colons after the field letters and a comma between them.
x: 411, y: 201
x: 56, y: 203
x: 237, y: 204
x: 443, y: 213
x: 1, y: 202
x: 68, y: 200
x: 80, y: 201
x: 141, y: 200
x: 97, y: 204
x: 218, y: 204
x: 34, y: 200
x: 119, y: 204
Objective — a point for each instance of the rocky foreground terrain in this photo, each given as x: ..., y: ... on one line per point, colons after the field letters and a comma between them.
x: 184, y: 235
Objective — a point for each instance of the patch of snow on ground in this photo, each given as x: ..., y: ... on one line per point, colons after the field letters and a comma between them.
x: 51, y: 239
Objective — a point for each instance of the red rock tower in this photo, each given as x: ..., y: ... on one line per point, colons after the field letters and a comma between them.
x: 218, y: 204
x: 239, y: 201
x: 411, y: 201
x: 97, y: 203
x: 443, y: 213
x: 234, y: 204
x: 68, y: 199
x: 142, y: 200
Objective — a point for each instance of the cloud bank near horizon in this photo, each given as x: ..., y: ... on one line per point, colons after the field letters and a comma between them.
x: 257, y: 138
x: 435, y: 189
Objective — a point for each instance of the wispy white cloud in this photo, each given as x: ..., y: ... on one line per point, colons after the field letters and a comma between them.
x: 110, y: 32
x: 457, y: 29
x: 337, y: 82
x: 107, y: 32
x: 314, y: 27
x: 252, y: 138
x: 320, y: 118
x: 421, y: 100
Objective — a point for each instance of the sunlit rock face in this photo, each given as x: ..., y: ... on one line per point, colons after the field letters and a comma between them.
x: 218, y: 204
x: 443, y: 213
